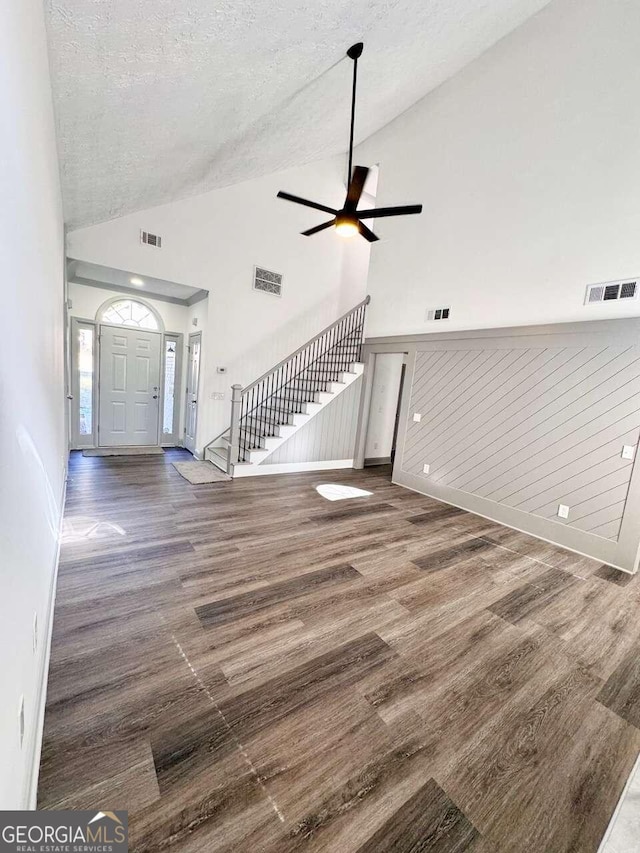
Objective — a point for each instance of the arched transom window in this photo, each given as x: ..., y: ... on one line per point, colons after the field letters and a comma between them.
x: 129, y: 312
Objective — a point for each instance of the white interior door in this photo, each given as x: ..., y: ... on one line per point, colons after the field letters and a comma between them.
x: 193, y: 380
x: 129, y: 386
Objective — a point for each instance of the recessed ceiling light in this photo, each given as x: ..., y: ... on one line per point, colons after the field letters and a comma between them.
x: 137, y: 282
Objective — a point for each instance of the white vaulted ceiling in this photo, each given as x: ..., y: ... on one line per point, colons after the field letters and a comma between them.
x: 161, y: 99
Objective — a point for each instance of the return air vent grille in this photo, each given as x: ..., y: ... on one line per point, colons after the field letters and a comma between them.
x: 611, y: 291
x: 267, y: 281
x: 438, y: 314
x: 151, y: 239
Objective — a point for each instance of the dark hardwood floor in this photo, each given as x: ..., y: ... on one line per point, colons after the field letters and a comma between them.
x: 246, y: 666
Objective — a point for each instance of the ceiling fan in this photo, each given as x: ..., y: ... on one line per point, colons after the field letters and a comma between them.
x: 348, y: 220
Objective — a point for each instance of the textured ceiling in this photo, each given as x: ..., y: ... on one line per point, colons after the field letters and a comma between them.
x: 160, y: 100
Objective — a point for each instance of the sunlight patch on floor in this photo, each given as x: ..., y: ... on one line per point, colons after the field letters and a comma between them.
x: 82, y: 527
x: 336, y: 492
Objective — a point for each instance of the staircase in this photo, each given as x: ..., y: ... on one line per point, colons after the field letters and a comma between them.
x: 268, y: 412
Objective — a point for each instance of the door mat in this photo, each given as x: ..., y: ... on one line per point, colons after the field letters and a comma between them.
x: 123, y: 451
x: 199, y: 473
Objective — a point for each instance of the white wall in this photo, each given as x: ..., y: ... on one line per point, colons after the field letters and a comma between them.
x: 214, y: 240
x: 32, y: 429
x: 528, y: 168
x: 384, y: 405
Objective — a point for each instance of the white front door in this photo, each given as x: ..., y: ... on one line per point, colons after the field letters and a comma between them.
x: 129, y: 386
x: 193, y: 379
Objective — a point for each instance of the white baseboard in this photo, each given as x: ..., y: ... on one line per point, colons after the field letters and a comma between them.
x: 522, y: 529
x: 289, y: 467
x: 30, y: 797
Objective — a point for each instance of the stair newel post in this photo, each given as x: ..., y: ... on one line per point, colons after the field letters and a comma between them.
x: 234, y: 436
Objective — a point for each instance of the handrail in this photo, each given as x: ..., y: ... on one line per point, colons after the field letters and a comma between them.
x: 209, y: 443
x: 304, y: 346
x: 307, y: 366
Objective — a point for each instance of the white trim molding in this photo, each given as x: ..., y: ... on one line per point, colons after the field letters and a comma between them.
x: 248, y: 470
x: 30, y: 795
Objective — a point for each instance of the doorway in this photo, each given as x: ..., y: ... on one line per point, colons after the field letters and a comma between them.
x: 384, y: 408
x: 129, y: 382
x: 193, y: 382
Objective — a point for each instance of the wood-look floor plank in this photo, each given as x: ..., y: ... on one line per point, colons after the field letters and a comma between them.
x: 526, y: 600
x: 237, y: 606
x: 246, y: 666
x: 427, y: 823
x: 621, y: 692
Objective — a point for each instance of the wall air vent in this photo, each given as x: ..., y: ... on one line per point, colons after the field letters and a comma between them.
x: 266, y: 281
x: 151, y: 239
x: 438, y: 314
x: 610, y: 291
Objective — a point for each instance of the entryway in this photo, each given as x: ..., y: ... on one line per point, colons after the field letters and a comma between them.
x: 126, y: 378
x: 384, y: 408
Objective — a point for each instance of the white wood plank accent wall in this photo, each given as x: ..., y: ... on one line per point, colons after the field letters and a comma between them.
x: 515, y: 422
x: 330, y: 435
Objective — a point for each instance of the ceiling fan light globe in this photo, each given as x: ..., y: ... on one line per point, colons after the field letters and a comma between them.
x: 346, y: 227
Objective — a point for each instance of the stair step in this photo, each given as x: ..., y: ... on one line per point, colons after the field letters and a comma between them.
x: 269, y: 416
x: 310, y: 388
x: 218, y: 457
x: 327, y: 375
x: 289, y: 402
x: 301, y: 404
x: 337, y: 362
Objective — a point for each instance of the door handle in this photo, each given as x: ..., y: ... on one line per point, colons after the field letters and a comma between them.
x: 155, y: 396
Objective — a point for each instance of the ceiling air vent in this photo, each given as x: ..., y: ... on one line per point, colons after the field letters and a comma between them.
x: 151, y: 239
x: 438, y: 314
x: 610, y: 291
x: 266, y: 281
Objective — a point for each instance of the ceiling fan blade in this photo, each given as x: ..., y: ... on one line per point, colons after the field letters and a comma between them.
x: 367, y: 233
x: 317, y: 228
x: 355, y: 187
x: 390, y: 211
x: 297, y: 200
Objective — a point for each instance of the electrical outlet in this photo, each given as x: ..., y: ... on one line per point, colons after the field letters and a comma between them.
x: 35, y: 633
x: 563, y: 511
x: 417, y: 418
x: 426, y: 469
x: 221, y: 369
x: 21, y: 721
x: 375, y: 445
x: 628, y: 451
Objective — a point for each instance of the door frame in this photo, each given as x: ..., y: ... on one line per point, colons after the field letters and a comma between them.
x: 192, y: 337
x: 369, y: 358
x: 171, y: 439
x: 79, y: 442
